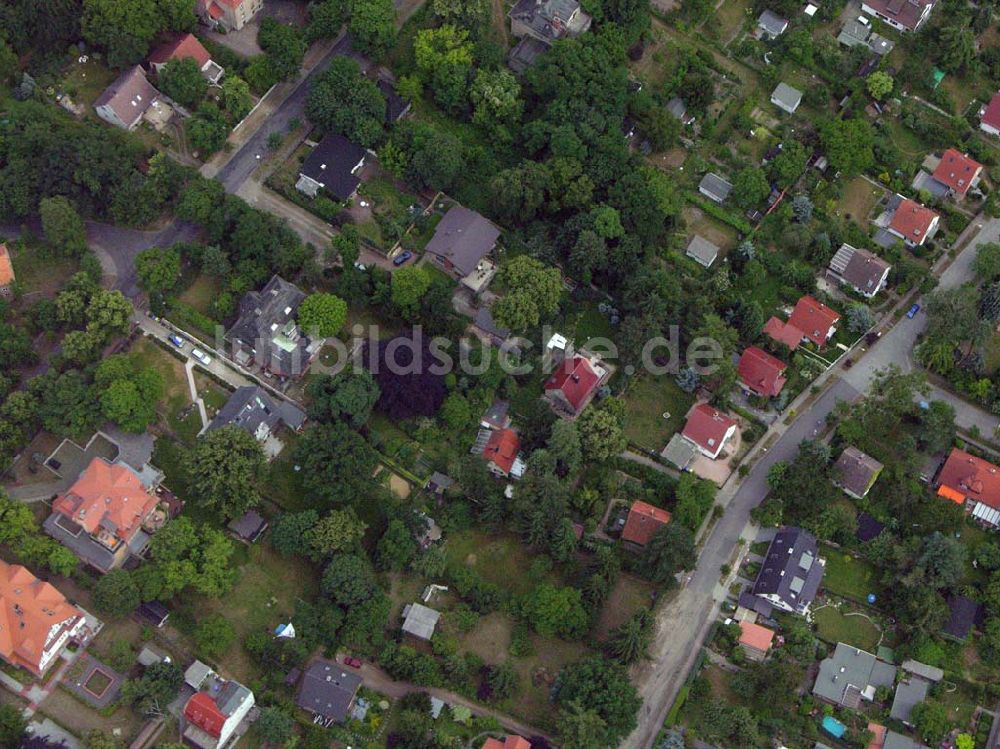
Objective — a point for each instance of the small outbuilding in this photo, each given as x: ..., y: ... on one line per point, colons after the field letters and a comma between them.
x: 702, y: 251
x: 419, y: 621
x: 786, y: 97
x: 248, y: 528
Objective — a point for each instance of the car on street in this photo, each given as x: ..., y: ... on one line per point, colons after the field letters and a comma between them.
x: 350, y: 660
x: 402, y: 258
x: 913, y: 311
x: 177, y: 341
x: 201, y: 356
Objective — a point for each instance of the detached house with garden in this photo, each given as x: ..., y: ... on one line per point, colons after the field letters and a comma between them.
x: 790, y: 576
x: 332, y: 168
x: 951, y: 175
x: 811, y: 321
x: 760, y: 373
x: 864, y: 272
x: 642, y: 523
x: 125, y: 102
x: 462, y: 244
x: 218, y: 713
x: 973, y: 483
x: 228, y: 15
x: 184, y: 46
x: 906, y: 220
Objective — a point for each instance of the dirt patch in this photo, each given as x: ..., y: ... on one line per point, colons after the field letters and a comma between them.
x: 700, y: 223
x: 668, y: 160
x: 399, y: 486
x: 490, y: 640
x: 628, y: 596
x: 66, y: 710
x: 537, y: 675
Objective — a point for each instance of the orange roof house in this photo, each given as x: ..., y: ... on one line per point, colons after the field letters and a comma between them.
x: 36, y: 620
x: 179, y: 48
x: 643, y: 522
x: 6, y: 267
x: 816, y: 321
x: 755, y: 640
x: 781, y: 332
x: 761, y: 373
x: 957, y: 172
x: 913, y: 223
x: 101, y: 514
x: 972, y: 482
x: 501, y: 452
x: 511, y: 742
x: 878, y: 733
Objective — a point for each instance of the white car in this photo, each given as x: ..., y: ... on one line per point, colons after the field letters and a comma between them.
x: 201, y: 356
x: 863, y: 20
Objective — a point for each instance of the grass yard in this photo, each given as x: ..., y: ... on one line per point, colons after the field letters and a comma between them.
x: 201, y: 293
x: 848, y: 576
x: 40, y: 272
x: 501, y: 560
x: 860, y: 197
x: 730, y: 18
x: 646, y: 400
x: 284, y: 483
x: 586, y: 323
x: 85, y: 81
x: 833, y: 626
x: 628, y: 596
x: 266, y: 590
x: 537, y: 673
x: 699, y: 222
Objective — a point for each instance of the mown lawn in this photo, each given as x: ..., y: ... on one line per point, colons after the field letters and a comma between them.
x: 646, y: 400
x: 848, y: 576
x: 501, y: 560
x: 833, y: 626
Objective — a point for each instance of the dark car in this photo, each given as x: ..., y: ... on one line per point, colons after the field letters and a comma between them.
x: 177, y: 341
x: 913, y: 311
x: 402, y: 258
x: 350, y: 660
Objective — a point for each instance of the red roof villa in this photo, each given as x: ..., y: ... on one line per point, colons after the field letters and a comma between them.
x: 958, y: 172
x: 186, y: 46
x: 502, y: 452
x: 973, y: 483
x: 760, y: 373
x: 913, y: 223
x: 643, y: 522
x: 810, y: 320
x: 708, y: 429
x: 573, y: 384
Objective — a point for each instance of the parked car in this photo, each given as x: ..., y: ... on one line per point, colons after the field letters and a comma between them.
x: 402, y: 258
x: 863, y: 20
x: 872, y: 338
x: 913, y: 311
x: 177, y: 341
x: 848, y: 363
x: 350, y: 660
x: 201, y: 356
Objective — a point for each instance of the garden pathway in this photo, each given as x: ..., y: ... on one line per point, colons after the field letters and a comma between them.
x: 193, y: 387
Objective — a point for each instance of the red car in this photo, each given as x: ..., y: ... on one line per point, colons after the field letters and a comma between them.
x: 350, y: 660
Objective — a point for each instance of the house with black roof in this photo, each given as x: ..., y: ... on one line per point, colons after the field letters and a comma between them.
x: 964, y: 616
x: 462, y: 242
x: 791, y: 573
x: 396, y: 107
x: 266, y: 333
x: 327, y: 690
x: 332, y: 166
x: 251, y: 409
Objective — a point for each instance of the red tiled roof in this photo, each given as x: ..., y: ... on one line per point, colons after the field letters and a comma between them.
x: 905, y: 12
x: 511, y: 742
x: 502, y: 448
x: 756, y: 636
x: 107, y: 497
x: 761, y: 372
x: 707, y: 427
x: 29, y: 609
x: 956, y: 170
x: 185, y: 45
x: 576, y: 379
x: 966, y: 476
x: 643, y: 522
x: 6, y: 267
x: 813, y: 318
x: 782, y: 332
x: 878, y: 732
x: 991, y: 115
x: 204, y: 713
x: 912, y: 221
x: 215, y: 11
x: 231, y: 3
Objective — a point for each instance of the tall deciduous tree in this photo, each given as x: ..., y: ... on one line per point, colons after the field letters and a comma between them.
x: 323, y: 313
x: 62, y: 226
x: 372, y: 26
x: 225, y: 470
x: 183, y: 82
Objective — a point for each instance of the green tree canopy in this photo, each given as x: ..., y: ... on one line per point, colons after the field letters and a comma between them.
x: 225, y: 470
x: 183, y: 82
x: 323, y: 313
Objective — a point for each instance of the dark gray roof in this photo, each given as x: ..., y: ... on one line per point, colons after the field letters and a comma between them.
x: 715, y: 187
x: 232, y: 695
x: 924, y: 671
x: 328, y: 689
x: 330, y: 163
x: 850, y: 672
x: 749, y: 601
x: 858, y: 267
x: 251, y: 406
x: 75, y: 538
x: 678, y: 110
x: 909, y: 694
x: 702, y: 250
x: 966, y: 614
x: 129, y: 96
x: 772, y: 23
x: 249, y: 526
x: 439, y: 482
x: 463, y: 238
x: 856, y: 471
x: 267, y: 326
x: 498, y: 413
x: 791, y: 572
x: 868, y: 527
x: 395, y: 105
x: 895, y: 740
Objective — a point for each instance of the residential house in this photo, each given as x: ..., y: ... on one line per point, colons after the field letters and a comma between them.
x: 678, y: 110
x: 642, y: 523
x: 708, y: 429
x: 573, y: 384
x: 989, y: 116
x: 547, y: 21
x: 973, y: 483
x: 858, y: 34
x: 760, y: 373
x: 328, y: 691
x: 770, y: 25
x: 419, y: 621
x: 895, y: 740
x: 106, y: 516
x: 851, y: 675
x: 786, y: 98
x: 266, y: 333
x: 249, y: 527
x: 183, y: 46
x: 396, y: 107
x: 964, y: 616
x: 439, y: 483
x: 702, y: 251
x: 910, y: 692
x: 858, y: 269
x: 714, y: 187
x: 502, y: 450
x: 811, y: 320
x: 229, y: 15
x: 756, y: 640
x: 497, y: 416
x: 251, y: 409
x: 36, y: 620
x: 902, y: 15
x: 332, y: 166
x: 125, y: 101
x: 912, y: 222
x: 855, y: 472
x: 217, y: 714
x: 510, y: 742
x: 956, y: 173
x: 7, y: 277
x: 791, y: 573
x: 462, y: 242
